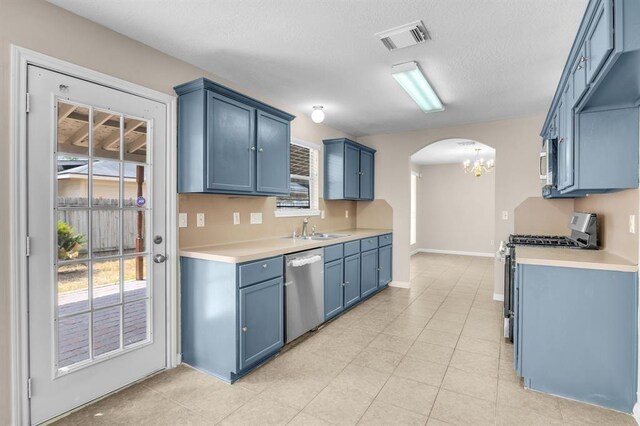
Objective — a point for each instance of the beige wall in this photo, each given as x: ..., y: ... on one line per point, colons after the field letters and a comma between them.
x: 219, y: 227
x: 455, y: 210
x: 613, y: 220
x: 40, y: 26
x: 537, y: 216
x: 517, y: 147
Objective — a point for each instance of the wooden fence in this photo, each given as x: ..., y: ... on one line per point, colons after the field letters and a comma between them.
x: 106, y: 222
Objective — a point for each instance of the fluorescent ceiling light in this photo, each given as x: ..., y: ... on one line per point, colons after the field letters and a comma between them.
x: 410, y: 77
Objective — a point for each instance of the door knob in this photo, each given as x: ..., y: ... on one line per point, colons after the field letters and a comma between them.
x: 158, y: 258
x: 244, y: 329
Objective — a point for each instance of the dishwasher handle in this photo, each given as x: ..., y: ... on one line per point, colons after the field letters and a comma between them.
x: 304, y: 261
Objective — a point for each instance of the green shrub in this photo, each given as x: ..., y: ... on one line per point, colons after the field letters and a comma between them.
x: 69, y: 241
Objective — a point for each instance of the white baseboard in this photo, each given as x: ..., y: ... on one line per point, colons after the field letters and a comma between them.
x: 454, y: 252
x: 636, y: 412
x: 498, y: 297
x: 400, y: 284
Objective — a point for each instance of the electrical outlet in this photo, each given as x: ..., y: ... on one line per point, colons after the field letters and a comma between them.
x: 632, y: 223
x: 182, y: 220
x: 321, y: 214
x: 491, y: 243
x: 256, y: 218
x: 505, y: 215
x: 346, y: 214
x: 236, y: 218
x: 200, y: 220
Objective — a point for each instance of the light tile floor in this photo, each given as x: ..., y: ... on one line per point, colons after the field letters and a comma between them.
x: 432, y: 354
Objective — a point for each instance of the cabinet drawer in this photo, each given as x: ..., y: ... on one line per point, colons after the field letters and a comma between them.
x: 332, y: 253
x: 368, y: 243
x: 261, y: 270
x: 351, y: 248
x: 385, y: 240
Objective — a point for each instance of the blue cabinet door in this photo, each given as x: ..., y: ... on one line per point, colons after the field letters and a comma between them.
x: 230, y: 145
x: 351, y: 280
x: 369, y: 272
x: 273, y: 141
x: 565, y: 139
x: 366, y: 175
x: 384, y: 267
x: 333, y: 288
x: 351, y: 171
x: 261, y: 321
x: 599, y: 39
x: 579, y: 76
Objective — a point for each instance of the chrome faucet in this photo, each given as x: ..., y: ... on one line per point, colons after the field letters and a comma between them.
x: 305, y: 223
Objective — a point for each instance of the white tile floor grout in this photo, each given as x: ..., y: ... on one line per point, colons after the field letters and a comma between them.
x: 429, y: 355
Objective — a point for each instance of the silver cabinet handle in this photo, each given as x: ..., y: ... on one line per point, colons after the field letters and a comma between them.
x: 344, y: 284
x: 560, y: 140
x: 253, y: 148
x: 583, y: 59
x: 244, y: 329
x: 265, y: 266
x: 158, y: 258
x: 260, y: 149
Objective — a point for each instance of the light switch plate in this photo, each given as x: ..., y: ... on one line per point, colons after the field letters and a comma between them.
x: 236, y: 218
x: 182, y: 220
x: 346, y: 214
x: 321, y: 214
x: 256, y: 218
x: 200, y: 220
x: 505, y: 215
x: 632, y: 223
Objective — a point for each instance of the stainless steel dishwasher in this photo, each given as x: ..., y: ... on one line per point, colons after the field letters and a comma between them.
x: 304, y: 292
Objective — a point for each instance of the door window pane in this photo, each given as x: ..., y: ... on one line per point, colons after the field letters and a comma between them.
x: 134, y: 231
x: 72, y: 234
x: 105, y: 234
x: 106, y: 283
x: 105, y: 183
x: 135, y: 278
x: 73, y: 185
x: 106, y: 136
x: 106, y: 330
x: 73, y: 339
x: 135, y: 186
x: 73, y: 129
x: 135, y: 138
x: 73, y: 289
x: 135, y: 322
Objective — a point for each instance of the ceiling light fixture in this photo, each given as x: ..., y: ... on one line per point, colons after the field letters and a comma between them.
x: 479, y: 167
x: 413, y: 81
x: 318, y: 114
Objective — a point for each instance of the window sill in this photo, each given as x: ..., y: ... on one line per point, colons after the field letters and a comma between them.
x: 296, y: 212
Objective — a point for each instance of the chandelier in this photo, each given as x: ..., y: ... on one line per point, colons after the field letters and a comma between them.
x: 478, y: 167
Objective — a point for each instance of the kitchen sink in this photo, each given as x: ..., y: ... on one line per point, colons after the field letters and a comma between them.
x: 322, y: 237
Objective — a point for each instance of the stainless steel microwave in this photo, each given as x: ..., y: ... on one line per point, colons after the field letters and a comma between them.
x: 548, y: 164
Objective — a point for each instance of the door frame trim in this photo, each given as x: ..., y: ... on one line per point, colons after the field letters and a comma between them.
x: 20, y: 59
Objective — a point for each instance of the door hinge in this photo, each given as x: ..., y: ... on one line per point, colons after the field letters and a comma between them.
x: 28, y: 246
x: 29, y: 387
x: 28, y: 106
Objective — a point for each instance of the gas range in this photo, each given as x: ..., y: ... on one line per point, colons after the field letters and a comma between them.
x: 543, y: 241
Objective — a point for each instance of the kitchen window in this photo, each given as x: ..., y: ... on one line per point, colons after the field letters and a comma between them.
x: 304, y: 196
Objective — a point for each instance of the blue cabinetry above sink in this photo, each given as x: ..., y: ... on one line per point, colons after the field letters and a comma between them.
x: 593, y: 119
x: 229, y: 143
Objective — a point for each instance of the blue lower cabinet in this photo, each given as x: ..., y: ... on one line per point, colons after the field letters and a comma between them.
x: 384, y: 265
x: 369, y: 272
x: 261, y: 321
x: 333, y: 288
x: 232, y: 316
x: 576, y: 334
x: 351, y: 280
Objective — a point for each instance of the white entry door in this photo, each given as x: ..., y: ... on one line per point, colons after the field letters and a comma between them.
x: 96, y: 225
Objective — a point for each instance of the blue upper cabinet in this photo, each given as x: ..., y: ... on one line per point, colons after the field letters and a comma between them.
x: 229, y: 143
x: 348, y: 170
x: 594, y: 114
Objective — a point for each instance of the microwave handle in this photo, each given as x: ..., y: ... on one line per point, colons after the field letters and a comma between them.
x: 543, y: 155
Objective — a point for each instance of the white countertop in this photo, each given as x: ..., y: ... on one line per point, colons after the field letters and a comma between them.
x: 574, y: 258
x: 259, y: 249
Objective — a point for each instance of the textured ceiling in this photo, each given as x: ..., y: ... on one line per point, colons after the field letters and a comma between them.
x: 450, y: 151
x: 487, y: 60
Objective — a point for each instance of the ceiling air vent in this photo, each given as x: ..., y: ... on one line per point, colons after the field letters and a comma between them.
x: 404, y: 36
x: 466, y: 143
